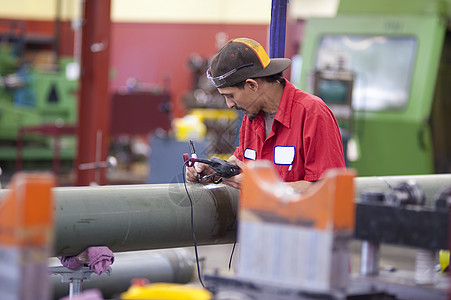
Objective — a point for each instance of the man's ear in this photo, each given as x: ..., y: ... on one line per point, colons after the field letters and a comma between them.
x: 252, y: 84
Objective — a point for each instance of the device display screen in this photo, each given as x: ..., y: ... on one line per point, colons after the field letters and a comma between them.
x: 382, y: 68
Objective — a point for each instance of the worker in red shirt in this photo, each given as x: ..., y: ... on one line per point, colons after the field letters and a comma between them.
x: 293, y: 129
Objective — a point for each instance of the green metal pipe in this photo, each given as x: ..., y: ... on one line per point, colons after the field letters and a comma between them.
x: 157, y: 216
x: 143, y: 217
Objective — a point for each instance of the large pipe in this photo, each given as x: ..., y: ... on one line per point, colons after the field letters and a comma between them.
x: 157, y: 216
x: 143, y: 217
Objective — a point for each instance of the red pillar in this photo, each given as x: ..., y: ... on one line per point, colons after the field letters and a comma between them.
x: 94, y: 100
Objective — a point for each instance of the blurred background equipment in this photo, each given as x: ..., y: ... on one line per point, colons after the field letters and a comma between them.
x: 383, y: 71
x: 35, y: 91
x: 207, y: 121
x: 205, y: 102
x: 136, y: 114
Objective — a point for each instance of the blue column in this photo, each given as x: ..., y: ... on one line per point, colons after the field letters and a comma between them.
x: 278, y: 28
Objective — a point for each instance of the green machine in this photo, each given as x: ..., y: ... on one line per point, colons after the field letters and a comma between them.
x: 32, y: 98
x: 383, y: 67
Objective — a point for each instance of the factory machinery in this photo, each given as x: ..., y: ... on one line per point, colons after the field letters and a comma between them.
x: 38, y: 107
x: 290, y: 246
x: 384, y: 69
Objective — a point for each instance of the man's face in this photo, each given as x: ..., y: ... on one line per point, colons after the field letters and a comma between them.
x: 245, y: 100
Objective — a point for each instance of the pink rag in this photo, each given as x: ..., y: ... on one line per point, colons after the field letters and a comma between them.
x: 99, y: 259
x: 70, y: 262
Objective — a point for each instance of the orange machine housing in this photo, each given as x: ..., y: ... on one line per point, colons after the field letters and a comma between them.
x: 26, y: 212
x: 328, y: 202
x: 26, y: 237
x: 295, y: 239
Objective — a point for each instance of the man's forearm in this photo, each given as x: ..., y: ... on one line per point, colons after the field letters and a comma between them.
x: 300, y: 186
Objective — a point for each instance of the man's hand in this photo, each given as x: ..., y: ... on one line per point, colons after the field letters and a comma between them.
x: 236, y: 180
x: 196, y: 174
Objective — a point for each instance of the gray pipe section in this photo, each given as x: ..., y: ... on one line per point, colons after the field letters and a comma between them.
x: 157, y: 216
x: 170, y: 265
x: 430, y: 184
x: 143, y: 217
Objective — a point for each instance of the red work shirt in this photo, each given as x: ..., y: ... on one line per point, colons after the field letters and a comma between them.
x: 304, y: 141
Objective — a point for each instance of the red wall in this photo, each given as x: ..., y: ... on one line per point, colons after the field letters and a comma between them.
x: 151, y: 52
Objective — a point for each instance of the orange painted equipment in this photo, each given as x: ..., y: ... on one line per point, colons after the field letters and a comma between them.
x: 327, y: 202
x: 295, y: 239
x: 26, y: 237
x: 26, y: 212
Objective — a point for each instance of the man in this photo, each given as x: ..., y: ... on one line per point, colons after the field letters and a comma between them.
x: 293, y: 129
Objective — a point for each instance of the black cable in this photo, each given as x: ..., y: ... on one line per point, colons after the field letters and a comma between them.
x: 231, y: 256
x: 192, y: 224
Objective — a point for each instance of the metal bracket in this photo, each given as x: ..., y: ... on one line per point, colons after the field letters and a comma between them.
x: 74, y: 277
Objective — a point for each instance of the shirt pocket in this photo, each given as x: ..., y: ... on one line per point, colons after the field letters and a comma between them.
x: 250, y: 154
x: 284, y: 155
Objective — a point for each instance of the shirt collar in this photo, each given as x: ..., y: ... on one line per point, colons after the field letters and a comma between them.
x: 283, y: 114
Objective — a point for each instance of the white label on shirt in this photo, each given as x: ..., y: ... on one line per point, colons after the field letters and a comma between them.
x: 250, y: 154
x: 284, y: 155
